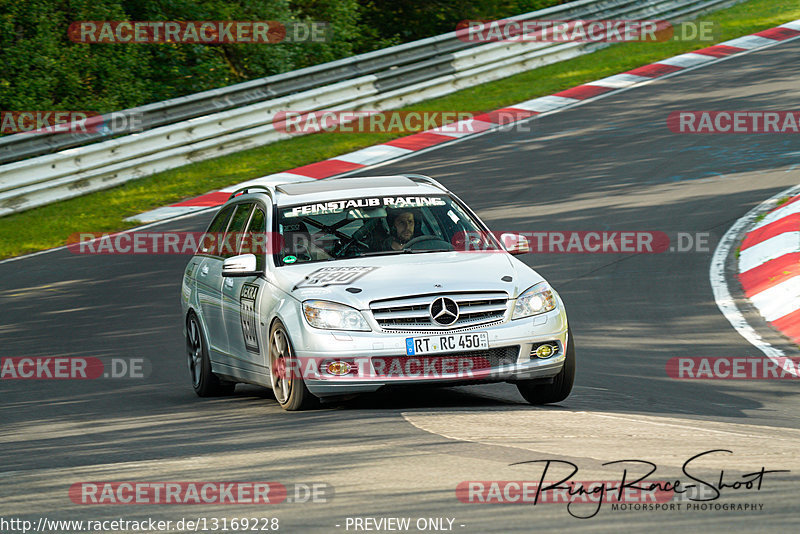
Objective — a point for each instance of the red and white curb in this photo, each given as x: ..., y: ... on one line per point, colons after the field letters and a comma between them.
x: 403, y: 146
x: 717, y: 271
x: 769, y: 267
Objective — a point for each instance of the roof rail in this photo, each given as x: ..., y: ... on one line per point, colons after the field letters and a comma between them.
x: 419, y: 178
x: 339, y: 177
x: 245, y: 190
x: 424, y: 179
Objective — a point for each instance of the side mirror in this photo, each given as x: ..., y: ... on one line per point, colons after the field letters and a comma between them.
x: 242, y: 265
x: 515, y: 244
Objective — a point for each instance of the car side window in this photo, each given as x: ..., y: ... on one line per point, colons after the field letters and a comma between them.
x: 215, y: 231
x: 255, y: 237
x: 233, y: 237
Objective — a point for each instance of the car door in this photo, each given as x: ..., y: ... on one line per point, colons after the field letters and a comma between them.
x: 229, y: 247
x: 209, y: 282
x: 241, y: 297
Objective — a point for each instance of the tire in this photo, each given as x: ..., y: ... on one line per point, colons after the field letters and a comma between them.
x: 537, y: 393
x: 290, y: 391
x: 204, y: 382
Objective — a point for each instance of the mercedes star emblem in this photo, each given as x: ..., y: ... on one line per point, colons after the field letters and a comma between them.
x: 444, y: 311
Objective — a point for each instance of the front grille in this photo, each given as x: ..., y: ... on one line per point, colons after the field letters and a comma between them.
x: 480, y: 326
x: 430, y: 365
x: 413, y: 313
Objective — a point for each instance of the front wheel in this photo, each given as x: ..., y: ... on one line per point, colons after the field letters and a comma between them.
x: 562, y: 383
x: 204, y: 382
x: 285, y: 373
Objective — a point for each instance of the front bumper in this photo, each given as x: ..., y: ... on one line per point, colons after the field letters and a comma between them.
x: 368, y: 348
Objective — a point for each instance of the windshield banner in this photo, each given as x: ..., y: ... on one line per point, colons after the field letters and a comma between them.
x: 338, y: 206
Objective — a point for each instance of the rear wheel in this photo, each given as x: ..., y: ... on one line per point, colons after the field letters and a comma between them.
x: 204, y: 382
x: 537, y: 393
x: 286, y: 376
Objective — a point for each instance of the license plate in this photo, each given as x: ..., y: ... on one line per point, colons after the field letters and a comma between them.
x: 447, y: 343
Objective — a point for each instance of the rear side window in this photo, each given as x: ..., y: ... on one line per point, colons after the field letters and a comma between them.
x: 215, y: 230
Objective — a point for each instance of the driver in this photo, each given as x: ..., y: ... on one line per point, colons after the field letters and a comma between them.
x: 401, y: 228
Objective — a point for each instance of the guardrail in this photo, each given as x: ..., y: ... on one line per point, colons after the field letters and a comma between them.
x: 238, y: 117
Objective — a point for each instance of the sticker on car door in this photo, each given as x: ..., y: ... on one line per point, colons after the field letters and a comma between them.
x: 247, y: 309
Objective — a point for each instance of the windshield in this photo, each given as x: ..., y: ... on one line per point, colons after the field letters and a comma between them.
x: 369, y: 226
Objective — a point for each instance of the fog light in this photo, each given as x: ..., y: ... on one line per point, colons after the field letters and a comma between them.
x: 339, y: 368
x: 545, y: 351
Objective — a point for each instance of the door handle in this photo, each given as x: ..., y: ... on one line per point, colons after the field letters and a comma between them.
x: 204, y: 270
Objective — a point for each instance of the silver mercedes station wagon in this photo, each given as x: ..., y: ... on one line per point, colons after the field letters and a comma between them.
x: 326, y: 289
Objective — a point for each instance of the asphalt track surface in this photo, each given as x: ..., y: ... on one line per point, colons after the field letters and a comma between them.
x: 608, y: 165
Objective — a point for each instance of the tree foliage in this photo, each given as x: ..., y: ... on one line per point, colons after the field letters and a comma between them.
x: 44, y: 70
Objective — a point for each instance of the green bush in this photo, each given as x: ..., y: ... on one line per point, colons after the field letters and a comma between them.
x: 44, y: 70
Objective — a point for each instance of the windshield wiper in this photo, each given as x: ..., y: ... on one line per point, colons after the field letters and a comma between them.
x: 378, y: 253
x: 421, y: 250
x: 401, y: 251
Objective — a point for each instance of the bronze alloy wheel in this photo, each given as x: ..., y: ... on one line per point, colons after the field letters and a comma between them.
x: 287, y: 383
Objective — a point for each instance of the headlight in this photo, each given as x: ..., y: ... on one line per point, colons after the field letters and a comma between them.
x: 537, y: 299
x: 333, y: 316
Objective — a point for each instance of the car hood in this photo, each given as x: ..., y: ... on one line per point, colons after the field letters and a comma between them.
x: 381, y: 277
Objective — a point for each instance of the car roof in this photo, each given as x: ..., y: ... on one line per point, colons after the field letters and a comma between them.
x: 320, y: 186
x: 353, y: 187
